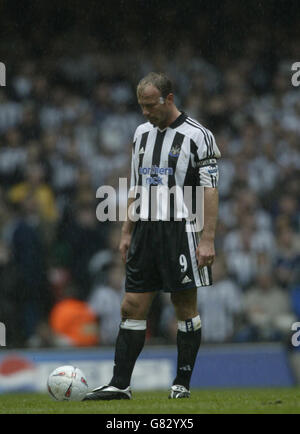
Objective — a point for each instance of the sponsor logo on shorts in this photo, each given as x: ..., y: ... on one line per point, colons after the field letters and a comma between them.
x: 186, y: 279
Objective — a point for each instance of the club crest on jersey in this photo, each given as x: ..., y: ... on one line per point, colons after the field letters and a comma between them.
x: 175, y: 151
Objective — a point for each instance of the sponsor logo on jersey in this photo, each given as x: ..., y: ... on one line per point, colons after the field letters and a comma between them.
x: 155, y: 170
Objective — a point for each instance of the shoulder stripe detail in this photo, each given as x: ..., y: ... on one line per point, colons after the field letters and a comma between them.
x: 196, y: 123
x: 209, y: 152
x: 207, y: 134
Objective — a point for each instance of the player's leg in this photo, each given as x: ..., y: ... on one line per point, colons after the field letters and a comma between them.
x: 181, y: 277
x: 141, y: 282
x: 188, y: 339
x: 129, y: 344
x: 185, y: 304
x: 131, y: 337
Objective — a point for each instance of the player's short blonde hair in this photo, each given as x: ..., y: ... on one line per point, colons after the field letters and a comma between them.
x: 158, y: 79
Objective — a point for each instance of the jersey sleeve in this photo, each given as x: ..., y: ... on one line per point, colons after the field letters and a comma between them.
x: 205, y: 155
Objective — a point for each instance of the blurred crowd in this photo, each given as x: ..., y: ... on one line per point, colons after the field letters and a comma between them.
x: 66, y: 126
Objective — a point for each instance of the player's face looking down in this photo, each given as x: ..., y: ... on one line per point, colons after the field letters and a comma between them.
x: 154, y: 107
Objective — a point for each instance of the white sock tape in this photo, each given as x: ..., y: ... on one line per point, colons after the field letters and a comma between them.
x: 190, y: 325
x: 134, y: 324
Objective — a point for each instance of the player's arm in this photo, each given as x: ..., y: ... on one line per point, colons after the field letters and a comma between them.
x: 128, y: 224
x: 126, y: 232
x: 206, y: 155
x: 206, y: 247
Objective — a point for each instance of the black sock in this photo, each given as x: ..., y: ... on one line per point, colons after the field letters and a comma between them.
x: 188, y: 344
x: 129, y: 344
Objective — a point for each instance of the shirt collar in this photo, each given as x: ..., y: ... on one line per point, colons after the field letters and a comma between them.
x: 178, y: 121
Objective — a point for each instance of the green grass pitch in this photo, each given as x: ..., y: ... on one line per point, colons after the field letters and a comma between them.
x: 253, y: 401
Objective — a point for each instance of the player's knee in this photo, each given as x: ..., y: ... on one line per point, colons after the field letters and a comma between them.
x: 184, y: 298
x: 185, y: 304
x: 185, y: 312
x: 130, y: 309
x: 126, y: 310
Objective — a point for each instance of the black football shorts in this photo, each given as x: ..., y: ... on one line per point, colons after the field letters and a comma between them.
x: 162, y: 256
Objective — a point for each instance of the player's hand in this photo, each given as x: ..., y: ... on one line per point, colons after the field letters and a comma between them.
x: 205, y: 253
x: 124, y: 245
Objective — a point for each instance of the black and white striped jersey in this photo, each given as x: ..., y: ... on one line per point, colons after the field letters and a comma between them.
x: 169, y: 168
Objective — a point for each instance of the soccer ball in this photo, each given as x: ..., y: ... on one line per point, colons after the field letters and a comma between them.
x: 67, y: 383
